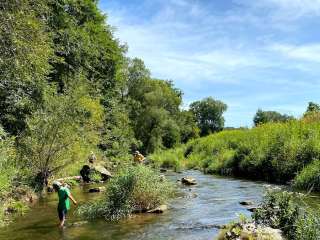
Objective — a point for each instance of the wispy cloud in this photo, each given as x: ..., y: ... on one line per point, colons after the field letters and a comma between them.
x: 250, y: 54
x: 308, y: 52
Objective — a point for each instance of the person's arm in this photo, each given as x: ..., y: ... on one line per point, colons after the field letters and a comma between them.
x: 72, y: 199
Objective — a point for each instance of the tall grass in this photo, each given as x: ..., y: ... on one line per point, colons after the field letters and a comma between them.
x: 276, y: 152
x: 136, y: 188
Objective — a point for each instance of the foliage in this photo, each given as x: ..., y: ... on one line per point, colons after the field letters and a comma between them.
x: 274, y: 152
x: 312, y: 107
x: 56, y: 130
x: 208, y: 113
x: 309, y: 177
x: 286, y: 211
x: 154, y: 112
x: 263, y: 117
x: 169, y: 158
x: 133, y: 189
x: 279, y: 210
x: 7, y: 162
x: 24, y: 55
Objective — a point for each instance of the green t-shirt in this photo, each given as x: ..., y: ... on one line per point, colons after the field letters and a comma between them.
x: 64, y: 202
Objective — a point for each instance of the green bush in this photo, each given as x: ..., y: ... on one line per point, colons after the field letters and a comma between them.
x: 309, y: 177
x: 172, y: 158
x: 136, y: 188
x: 287, y: 211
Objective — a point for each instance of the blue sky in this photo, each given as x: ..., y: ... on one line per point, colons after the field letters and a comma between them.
x: 248, y: 53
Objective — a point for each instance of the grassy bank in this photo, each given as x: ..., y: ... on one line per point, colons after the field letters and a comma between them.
x: 275, y: 152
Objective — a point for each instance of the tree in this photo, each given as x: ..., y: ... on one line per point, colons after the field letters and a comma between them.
x: 56, y: 131
x: 312, y: 107
x: 24, y: 54
x: 188, y: 126
x: 83, y: 42
x: 208, y: 113
x: 263, y: 117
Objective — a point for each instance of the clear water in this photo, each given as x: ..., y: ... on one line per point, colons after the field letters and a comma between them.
x: 189, y: 217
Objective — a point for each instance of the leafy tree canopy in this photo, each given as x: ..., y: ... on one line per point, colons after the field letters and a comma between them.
x: 209, y: 115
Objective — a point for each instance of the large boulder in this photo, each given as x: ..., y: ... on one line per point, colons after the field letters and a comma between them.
x: 86, y: 173
x: 189, y: 181
x: 105, y: 174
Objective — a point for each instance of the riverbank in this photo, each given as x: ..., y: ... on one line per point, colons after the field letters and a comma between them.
x: 274, y: 152
x: 194, y: 214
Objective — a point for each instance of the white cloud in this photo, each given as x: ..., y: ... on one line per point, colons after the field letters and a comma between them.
x: 310, y: 52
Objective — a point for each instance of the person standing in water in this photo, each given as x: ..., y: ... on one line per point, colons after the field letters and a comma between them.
x: 64, y: 195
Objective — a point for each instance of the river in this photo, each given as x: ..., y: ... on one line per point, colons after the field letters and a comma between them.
x: 192, y: 215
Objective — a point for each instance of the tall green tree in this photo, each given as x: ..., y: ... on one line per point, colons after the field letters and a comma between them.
x: 83, y: 42
x: 312, y: 107
x: 24, y: 60
x: 209, y: 115
x: 262, y: 117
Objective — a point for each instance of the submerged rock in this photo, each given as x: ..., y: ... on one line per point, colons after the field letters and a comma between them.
x: 77, y: 224
x: 189, y: 181
x: 97, y: 189
x: 246, y: 203
x: 160, y: 209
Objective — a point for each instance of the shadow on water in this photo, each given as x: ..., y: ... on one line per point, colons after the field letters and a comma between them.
x: 195, y: 214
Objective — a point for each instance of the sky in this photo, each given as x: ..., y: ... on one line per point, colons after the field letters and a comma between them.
x: 249, y: 54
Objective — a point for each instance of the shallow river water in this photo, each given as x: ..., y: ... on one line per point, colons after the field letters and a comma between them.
x: 213, y: 201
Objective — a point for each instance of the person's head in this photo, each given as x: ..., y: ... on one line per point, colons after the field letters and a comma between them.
x: 56, y: 185
x: 136, y: 152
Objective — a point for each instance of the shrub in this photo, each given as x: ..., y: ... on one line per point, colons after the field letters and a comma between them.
x: 287, y: 211
x: 309, y: 177
x: 136, y: 188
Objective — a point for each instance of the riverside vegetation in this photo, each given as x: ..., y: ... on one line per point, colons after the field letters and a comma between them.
x: 281, y: 214
x: 67, y: 88
x: 133, y: 189
x: 276, y: 152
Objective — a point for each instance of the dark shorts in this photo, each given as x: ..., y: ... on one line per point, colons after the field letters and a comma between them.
x: 62, y: 214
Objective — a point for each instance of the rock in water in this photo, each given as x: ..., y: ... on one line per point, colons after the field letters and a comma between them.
x: 160, y: 209
x: 97, y: 189
x: 105, y: 174
x: 247, y: 203
x: 188, y: 181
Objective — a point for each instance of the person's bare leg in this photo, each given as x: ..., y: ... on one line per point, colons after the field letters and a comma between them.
x: 62, y: 222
